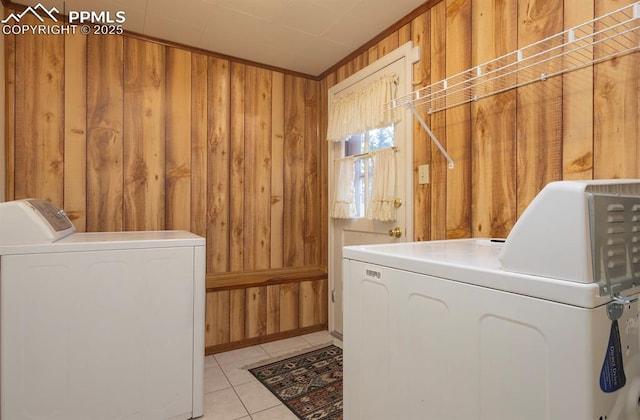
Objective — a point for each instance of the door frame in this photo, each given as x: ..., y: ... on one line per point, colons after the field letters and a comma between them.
x: 410, y: 55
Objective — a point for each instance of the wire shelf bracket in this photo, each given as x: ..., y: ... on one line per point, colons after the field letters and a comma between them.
x: 608, y: 36
x: 430, y: 133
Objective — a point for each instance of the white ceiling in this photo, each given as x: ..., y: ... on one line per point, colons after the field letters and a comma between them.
x: 306, y: 36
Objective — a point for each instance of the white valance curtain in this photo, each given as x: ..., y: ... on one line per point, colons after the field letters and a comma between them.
x: 363, y: 109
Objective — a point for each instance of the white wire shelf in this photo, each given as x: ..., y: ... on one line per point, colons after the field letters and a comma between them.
x: 608, y: 36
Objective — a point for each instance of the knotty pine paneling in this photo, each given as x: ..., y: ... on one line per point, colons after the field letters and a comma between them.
x: 75, y: 129
x: 256, y: 320
x: 421, y: 36
x: 218, y: 186
x: 616, y: 113
x: 577, y: 104
x: 144, y: 135
x: 294, y: 175
x: 105, y: 132
x: 218, y: 318
x: 438, y: 123
x: 289, y: 306
x: 277, y: 172
x: 39, y: 115
x: 173, y: 139
x: 458, y: 123
x: 312, y: 175
x: 494, y: 33
x: 581, y: 125
x: 198, y: 136
x: 273, y: 310
x: 178, y: 151
x: 538, y: 108
x: 268, y: 308
x: 312, y: 308
x: 323, y: 239
x: 237, y: 168
x: 404, y: 34
x: 388, y: 44
x: 130, y: 134
x: 238, y: 313
x: 258, y: 168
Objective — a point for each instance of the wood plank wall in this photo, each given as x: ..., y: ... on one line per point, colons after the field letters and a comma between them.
x: 131, y: 134
x: 582, y: 125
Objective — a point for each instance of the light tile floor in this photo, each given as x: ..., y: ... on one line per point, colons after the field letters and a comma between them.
x: 232, y: 393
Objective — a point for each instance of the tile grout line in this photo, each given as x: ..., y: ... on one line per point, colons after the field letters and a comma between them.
x: 234, y: 390
x: 241, y: 402
x: 249, y: 414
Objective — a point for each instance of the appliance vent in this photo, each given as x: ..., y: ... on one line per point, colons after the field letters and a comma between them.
x: 635, y: 240
x: 615, y: 238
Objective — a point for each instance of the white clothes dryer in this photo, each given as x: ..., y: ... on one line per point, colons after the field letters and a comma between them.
x: 544, y: 325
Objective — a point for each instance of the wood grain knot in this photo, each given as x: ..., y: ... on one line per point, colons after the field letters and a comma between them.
x: 581, y: 164
x: 182, y: 171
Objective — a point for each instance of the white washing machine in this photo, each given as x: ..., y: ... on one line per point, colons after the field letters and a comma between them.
x: 544, y: 325
x: 98, y: 325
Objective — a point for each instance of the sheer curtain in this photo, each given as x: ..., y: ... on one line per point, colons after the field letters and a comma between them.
x: 383, y: 192
x: 363, y: 109
x: 344, y: 206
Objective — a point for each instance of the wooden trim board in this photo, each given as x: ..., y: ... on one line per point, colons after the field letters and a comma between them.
x: 241, y: 280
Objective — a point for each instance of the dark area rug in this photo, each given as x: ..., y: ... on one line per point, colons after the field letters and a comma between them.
x: 310, y: 384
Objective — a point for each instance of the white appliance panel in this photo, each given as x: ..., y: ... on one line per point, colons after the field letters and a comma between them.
x: 452, y: 350
x: 373, y: 309
x: 98, y: 335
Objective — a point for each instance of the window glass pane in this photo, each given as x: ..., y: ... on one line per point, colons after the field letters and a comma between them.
x: 354, y: 145
x: 381, y: 138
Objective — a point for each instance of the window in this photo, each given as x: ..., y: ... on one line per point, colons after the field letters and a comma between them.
x: 368, y: 141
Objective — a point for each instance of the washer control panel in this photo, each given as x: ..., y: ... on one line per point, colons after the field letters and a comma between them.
x: 32, y: 221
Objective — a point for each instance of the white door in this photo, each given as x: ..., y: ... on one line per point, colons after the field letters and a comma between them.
x: 360, y: 230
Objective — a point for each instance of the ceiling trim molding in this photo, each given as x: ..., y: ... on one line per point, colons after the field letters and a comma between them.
x: 214, y: 54
x: 382, y: 35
